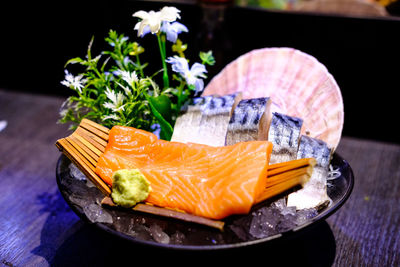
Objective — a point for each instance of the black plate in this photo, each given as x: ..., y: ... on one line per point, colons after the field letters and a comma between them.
x: 239, y: 231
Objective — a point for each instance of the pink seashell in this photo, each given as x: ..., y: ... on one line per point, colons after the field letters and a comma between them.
x: 298, y: 84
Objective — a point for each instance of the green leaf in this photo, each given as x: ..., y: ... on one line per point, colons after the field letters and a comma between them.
x: 74, y: 61
x: 207, y: 58
x: 163, y: 105
x: 166, y: 128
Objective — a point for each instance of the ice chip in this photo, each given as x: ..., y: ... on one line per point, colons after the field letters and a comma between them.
x: 288, y: 211
x: 89, y: 183
x: 95, y: 213
x: 76, y: 173
x: 177, y: 238
x: 280, y: 204
x: 140, y: 231
x: 304, y: 215
x: 80, y: 200
x: 287, y: 223
x: 158, y: 234
x: 264, y: 222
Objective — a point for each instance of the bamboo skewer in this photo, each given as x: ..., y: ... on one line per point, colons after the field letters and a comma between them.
x: 88, y: 142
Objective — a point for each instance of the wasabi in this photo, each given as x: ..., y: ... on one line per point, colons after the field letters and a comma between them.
x: 129, y: 187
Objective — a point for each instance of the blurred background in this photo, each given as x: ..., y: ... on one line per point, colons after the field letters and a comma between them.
x: 357, y: 40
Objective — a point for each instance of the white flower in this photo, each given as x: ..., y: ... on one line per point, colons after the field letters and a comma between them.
x: 153, y: 19
x: 111, y: 117
x: 117, y: 100
x: 129, y: 77
x: 76, y: 83
x: 193, y: 75
x: 126, y: 89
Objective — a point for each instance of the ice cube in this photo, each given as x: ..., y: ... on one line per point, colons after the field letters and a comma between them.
x: 140, y: 231
x: 280, y: 204
x: 158, y: 234
x: 264, y: 222
x: 89, y: 183
x: 76, y: 173
x: 177, y: 238
x: 80, y: 200
x: 288, y: 222
x: 304, y: 215
x: 240, y: 227
x: 96, y: 213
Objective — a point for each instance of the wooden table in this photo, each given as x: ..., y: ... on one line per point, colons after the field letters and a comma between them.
x: 37, y: 228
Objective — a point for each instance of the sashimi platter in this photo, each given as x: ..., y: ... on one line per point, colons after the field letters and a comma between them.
x: 252, y: 159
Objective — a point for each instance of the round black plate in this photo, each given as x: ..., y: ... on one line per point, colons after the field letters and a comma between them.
x: 147, y: 229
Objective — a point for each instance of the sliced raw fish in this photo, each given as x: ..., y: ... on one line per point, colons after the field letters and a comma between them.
x: 187, y: 124
x: 249, y: 121
x: 313, y: 192
x: 297, y: 84
x: 215, y: 119
x: 213, y: 182
x: 284, y: 133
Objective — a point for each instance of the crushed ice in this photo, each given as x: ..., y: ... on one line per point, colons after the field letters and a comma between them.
x: 273, y: 219
x: 155, y: 232
x: 96, y: 213
x: 158, y: 234
x: 76, y: 173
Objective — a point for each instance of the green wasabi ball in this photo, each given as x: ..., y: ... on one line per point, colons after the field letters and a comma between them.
x: 129, y: 187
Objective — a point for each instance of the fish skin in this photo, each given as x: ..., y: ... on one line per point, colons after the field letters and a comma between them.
x: 215, y: 119
x: 284, y: 133
x: 315, y: 148
x: 249, y: 121
x: 314, y: 191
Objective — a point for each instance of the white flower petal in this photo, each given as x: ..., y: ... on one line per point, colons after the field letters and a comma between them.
x: 170, y: 14
x: 141, y: 14
x: 109, y: 105
x: 111, y: 95
x: 111, y: 117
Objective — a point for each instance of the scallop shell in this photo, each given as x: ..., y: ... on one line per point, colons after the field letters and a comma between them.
x: 297, y: 83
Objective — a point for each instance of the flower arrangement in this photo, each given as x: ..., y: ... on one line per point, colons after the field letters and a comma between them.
x: 114, y: 88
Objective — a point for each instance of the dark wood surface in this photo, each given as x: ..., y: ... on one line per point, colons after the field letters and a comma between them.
x: 37, y: 228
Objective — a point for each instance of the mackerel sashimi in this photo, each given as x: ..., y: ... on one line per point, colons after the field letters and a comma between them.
x: 212, y: 182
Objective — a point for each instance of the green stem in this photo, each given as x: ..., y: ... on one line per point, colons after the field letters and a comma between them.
x: 138, y: 63
x: 180, y: 89
x: 161, y: 44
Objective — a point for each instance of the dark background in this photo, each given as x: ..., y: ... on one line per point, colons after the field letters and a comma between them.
x: 37, y: 39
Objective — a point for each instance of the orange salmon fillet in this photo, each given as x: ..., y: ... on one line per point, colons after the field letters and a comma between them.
x: 212, y: 182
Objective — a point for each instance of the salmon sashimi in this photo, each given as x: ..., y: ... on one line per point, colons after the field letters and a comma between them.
x: 212, y: 182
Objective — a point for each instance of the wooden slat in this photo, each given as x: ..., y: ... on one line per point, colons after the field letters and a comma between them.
x: 94, y: 140
x: 171, y: 214
x: 84, y: 151
x: 96, y: 125
x: 288, y: 165
x: 95, y: 131
x: 76, y: 158
x: 94, y: 152
x: 282, y: 187
x: 281, y: 177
